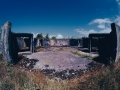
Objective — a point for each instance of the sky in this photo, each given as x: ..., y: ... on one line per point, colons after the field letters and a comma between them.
x: 60, y: 18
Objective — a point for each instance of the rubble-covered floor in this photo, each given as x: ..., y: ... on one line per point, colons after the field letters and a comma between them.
x: 62, y: 64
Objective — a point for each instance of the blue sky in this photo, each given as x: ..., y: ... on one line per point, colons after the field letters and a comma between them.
x: 63, y: 18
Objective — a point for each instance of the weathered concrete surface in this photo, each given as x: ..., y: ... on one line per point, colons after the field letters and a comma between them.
x: 37, y: 43
x: 6, y: 41
x: 59, y: 61
x: 21, y: 43
x: 115, y: 39
x: 58, y: 64
x: 61, y: 42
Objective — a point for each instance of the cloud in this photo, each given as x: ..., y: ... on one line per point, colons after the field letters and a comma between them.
x: 100, y: 21
x: 83, y: 32
x: 102, y: 25
x: 118, y: 1
x: 117, y: 20
x: 58, y: 36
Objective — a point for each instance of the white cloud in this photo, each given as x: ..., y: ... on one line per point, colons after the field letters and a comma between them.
x: 106, y: 30
x: 118, y: 1
x: 102, y: 24
x: 85, y: 32
x: 58, y: 36
x: 117, y: 20
x: 100, y: 21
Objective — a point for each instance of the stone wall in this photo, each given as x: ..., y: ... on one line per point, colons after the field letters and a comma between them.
x: 64, y: 42
x: 84, y: 42
x: 6, y: 41
x: 115, y: 42
x: 21, y: 43
x: 37, y: 42
x: 61, y: 42
x: 46, y: 42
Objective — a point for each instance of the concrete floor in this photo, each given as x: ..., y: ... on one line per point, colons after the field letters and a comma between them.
x: 59, y: 61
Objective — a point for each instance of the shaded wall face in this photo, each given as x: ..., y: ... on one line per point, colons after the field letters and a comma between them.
x: 27, y: 41
x: 103, y: 47
x: 45, y: 42
x: 115, y: 42
x: 84, y: 42
x: 37, y: 42
x: 21, y: 42
x: 73, y: 42
x: 94, y: 42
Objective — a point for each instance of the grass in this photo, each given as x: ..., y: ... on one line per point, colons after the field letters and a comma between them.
x: 14, y: 78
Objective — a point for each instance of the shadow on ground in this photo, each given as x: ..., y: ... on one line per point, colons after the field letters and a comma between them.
x: 26, y: 63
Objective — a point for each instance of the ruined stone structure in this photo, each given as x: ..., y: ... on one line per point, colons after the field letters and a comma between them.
x: 108, y: 44
x: 98, y: 36
x: 12, y: 43
x: 60, y: 42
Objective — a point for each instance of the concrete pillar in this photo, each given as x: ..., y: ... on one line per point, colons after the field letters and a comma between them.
x: 6, y: 40
x: 115, y: 42
x: 31, y: 44
x: 89, y: 45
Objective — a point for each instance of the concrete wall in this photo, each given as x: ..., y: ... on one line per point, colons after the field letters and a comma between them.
x: 11, y: 45
x: 46, y: 42
x: 64, y: 42
x: 6, y: 41
x: 84, y: 42
x: 61, y: 42
x: 37, y: 42
x: 115, y: 42
x: 21, y: 43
